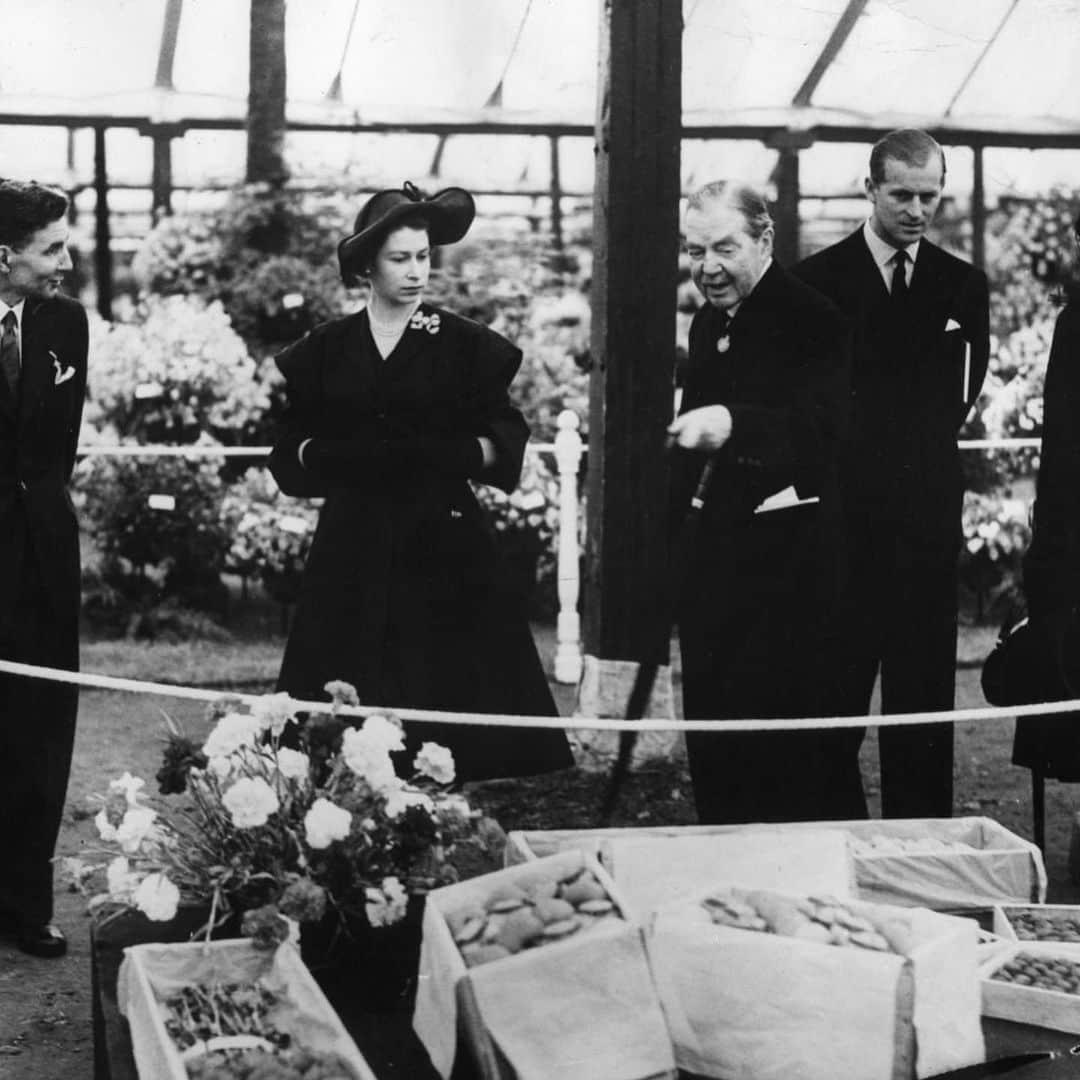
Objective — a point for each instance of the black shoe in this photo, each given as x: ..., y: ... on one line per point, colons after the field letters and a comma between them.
x: 46, y: 940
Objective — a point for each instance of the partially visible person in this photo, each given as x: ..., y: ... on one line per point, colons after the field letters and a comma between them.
x: 392, y: 411
x: 43, y: 353
x: 764, y: 399
x: 921, y: 348
x: 1051, y: 582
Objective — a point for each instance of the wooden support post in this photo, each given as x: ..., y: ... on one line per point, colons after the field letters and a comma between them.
x: 556, y: 196
x: 635, y: 262
x: 161, y: 182
x: 102, y: 230
x: 786, y: 211
x: 568, y: 630
x: 978, y: 209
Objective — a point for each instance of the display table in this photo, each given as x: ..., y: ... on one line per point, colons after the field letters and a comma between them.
x: 387, y: 1041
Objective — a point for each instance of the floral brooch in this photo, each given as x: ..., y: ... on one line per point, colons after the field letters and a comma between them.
x: 420, y: 321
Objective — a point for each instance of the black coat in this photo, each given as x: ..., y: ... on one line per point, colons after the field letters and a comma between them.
x: 758, y: 605
x: 1051, y: 744
x: 39, y: 595
x: 900, y: 466
x: 400, y: 595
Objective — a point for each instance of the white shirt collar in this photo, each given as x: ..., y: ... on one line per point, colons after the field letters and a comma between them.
x: 883, y: 251
x: 764, y: 270
x: 17, y: 308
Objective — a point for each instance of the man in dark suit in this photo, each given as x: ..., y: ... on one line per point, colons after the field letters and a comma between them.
x: 43, y: 351
x: 764, y: 399
x: 920, y: 319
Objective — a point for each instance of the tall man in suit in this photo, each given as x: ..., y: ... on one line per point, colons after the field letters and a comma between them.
x: 764, y: 400
x: 43, y: 352
x: 920, y: 319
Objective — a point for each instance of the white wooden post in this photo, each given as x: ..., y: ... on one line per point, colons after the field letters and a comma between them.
x: 568, y: 631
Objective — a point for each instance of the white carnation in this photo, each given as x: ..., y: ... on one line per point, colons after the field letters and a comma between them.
x: 387, y: 904
x: 129, y: 786
x: 120, y: 880
x: 157, y: 898
x: 231, y: 732
x: 385, y: 730
x: 292, y: 764
x: 369, y: 759
x: 274, y: 711
x: 435, y: 761
x: 133, y: 829
x: 250, y: 802
x: 397, y: 802
x: 324, y: 823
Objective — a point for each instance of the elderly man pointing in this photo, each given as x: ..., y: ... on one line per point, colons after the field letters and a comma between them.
x: 765, y: 393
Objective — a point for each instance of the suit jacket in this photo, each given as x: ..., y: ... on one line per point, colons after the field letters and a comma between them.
x: 911, y: 387
x: 38, y: 440
x: 400, y: 591
x: 761, y: 586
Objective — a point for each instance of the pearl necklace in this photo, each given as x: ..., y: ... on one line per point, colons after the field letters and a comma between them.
x: 387, y: 331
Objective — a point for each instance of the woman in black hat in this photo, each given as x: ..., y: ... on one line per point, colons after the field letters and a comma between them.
x: 392, y: 412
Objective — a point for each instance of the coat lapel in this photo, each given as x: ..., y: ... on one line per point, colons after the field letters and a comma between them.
x: 38, y: 364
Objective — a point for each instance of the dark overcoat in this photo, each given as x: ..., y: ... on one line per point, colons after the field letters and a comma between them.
x: 1051, y: 744
x: 39, y: 593
x: 400, y: 595
x: 758, y: 605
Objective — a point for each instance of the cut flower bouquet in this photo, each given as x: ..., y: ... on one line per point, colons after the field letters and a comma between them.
x: 253, y: 829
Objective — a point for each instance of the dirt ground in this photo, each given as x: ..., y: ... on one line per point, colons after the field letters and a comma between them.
x: 45, y: 1008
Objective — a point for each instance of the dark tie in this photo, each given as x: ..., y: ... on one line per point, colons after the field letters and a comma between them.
x: 723, y: 330
x: 9, y: 352
x: 899, y: 290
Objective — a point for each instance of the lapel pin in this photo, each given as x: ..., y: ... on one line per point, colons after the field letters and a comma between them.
x: 60, y: 376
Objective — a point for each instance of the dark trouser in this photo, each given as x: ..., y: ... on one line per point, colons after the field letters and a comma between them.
x: 765, y: 671
x: 37, y: 734
x: 904, y: 624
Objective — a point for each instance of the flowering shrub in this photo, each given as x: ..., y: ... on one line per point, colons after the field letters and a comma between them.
x: 178, y: 370
x: 264, y: 831
x: 996, y: 535
x: 270, y: 533
x: 157, y: 526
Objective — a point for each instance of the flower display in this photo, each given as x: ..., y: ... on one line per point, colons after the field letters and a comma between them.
x: 247, y: 826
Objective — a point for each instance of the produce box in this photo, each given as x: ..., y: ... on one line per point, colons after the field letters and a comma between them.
x: 945, y: 863
x: 1056, y: 924
x: 760, y: 985
x: 541, y: 973
x: 1034, y: 983
x: 151, y: 975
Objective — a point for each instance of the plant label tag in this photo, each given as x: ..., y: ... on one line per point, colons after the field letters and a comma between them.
x: 161, y: 502
x: 292, y: 524
x: 148, y: 390
x: 292, y: 300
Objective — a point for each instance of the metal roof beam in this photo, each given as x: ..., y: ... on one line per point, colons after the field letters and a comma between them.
x: 844, y: 25
x: 170, y: 31
x: 981, y: 57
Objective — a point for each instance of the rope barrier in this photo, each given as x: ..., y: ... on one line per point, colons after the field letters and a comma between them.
x: 148, y: 450
x: 592, y: 723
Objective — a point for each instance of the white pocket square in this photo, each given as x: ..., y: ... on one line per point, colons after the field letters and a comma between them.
x: 60, y: 376
x: 782, y: 500
x: 952, y: 324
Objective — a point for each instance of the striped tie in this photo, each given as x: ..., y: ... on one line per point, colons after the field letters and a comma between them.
x: 9, y: 352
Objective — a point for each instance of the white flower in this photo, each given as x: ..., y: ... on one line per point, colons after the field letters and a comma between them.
x: 121, y: 881
x: 435, y: 761
x: 274, y: 711
x: 384, y: 730
x: 387, y: 904
x: 250, y: 802
x: 221, y: 766
x: 133, y: 829
x: 369, y: 759
x: 157, y: 898
x: 397, y: 802
x: 232, y: 731
x: 292, y: 764
x: 455, y: 806
x: 106, y: 829
x: 129, y: 786
x: 324, y: 823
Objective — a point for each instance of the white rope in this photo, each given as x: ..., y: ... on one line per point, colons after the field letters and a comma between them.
x: 955, y: 716
x: 127, y: 450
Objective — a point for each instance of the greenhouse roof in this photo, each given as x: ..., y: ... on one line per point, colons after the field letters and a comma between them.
x: 1000, y: 72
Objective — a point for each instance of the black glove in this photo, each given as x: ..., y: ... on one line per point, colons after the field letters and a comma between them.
x: 346, y: 462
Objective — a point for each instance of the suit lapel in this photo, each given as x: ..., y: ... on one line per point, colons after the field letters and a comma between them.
x: 37, y: 365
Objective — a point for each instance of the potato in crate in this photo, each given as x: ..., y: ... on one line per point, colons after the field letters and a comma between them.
x: 543, y: 974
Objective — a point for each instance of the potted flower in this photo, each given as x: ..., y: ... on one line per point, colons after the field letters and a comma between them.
x: 324, y: 833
